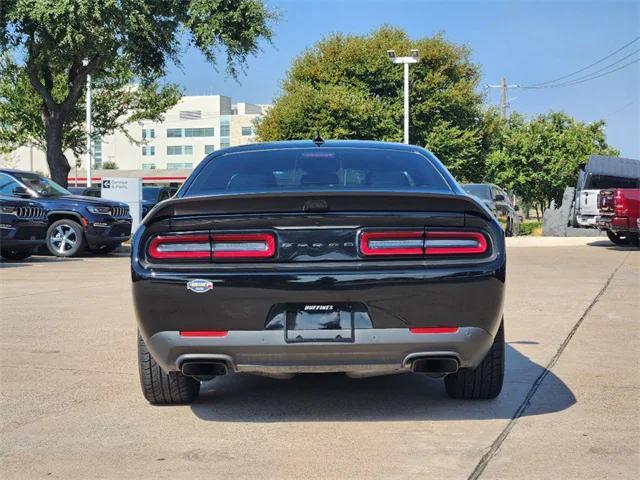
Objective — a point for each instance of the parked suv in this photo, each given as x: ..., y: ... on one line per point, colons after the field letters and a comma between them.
x: 152, y: 195
x: 620, y: 214
x: 499, y: 202
x: 75, y: 223
x: 23, y: 227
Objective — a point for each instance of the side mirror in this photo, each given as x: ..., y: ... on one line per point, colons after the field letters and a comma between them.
x: 21, y: 192
x: 498, y: 198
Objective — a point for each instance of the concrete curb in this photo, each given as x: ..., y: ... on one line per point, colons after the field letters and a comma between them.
x: 555, y: 241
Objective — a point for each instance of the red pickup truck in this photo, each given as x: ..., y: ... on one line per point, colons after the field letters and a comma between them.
x: 620, y: 214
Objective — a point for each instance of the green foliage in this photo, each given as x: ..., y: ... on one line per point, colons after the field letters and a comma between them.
x: 528, y: 228
x: 115, y: 102
x: 346, y: 87
x: 537, y: 159
x: 110, y: 165
x: 45, y: 43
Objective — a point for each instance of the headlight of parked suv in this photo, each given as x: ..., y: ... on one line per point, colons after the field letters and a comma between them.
x: 9, y: 209
x: 102, y: 210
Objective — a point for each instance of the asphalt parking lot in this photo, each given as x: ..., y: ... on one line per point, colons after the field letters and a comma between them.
x: 71, y: 405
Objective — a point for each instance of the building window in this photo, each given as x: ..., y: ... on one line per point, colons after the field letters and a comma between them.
x: 224, y: 143
x: 148, y: 133
x: 174, y: 132
x: 179, y: 166
x: 208, y: 149
x: 179, y: 150
x: 97, y: 151
x: 148, y: 151
x: 190, y: 114
x: 198, y: 132
x: 247, y: 131
x: 148, y: 166
x: 224, y: 127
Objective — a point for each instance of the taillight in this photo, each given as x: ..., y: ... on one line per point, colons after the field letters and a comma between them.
x: 392, y: 243
x: 414, y: 242
x: 455, y: 243
x: 165, y: 247
x: 620, y: 204
x: 249, y: 245
x: 216, y: 246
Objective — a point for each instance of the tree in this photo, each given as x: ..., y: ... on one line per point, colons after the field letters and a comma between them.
x: 538, y: 159
x: 59, y: 42
x: 110, y: 165
x: 346, y: 87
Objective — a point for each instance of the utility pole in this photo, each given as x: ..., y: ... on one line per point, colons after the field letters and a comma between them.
x: 405, y: 61
x: 88, y: 121
x: 504, y: 98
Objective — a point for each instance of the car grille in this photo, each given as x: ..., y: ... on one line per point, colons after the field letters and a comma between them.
x: 30, y: 212
x: 119, y: 211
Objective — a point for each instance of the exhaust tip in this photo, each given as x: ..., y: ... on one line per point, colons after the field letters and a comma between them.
x: 435, y: 365
x: 204, y: 370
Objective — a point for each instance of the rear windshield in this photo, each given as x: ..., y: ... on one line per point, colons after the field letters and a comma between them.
x: 478, y: 190
x: 600, y: 182
x: 317, y: 169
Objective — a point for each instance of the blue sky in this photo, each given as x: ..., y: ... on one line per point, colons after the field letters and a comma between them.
x: 527, y: 42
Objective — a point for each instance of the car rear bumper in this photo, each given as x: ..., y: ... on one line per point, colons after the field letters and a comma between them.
x: 373, y: 351
x: 617, y: 224
x: 587, y: 220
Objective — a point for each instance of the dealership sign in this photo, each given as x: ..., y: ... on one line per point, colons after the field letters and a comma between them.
x: 127, y: 190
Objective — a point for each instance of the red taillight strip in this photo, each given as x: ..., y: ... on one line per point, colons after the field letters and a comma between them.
x: 455, y: 243
x: 434, y: 330
x: 203, y: 333
x: 373, y: 243
x: 180, y: 246
x: 249, y: 245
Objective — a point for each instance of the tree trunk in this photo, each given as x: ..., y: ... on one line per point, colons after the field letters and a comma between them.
x: 58, y: 164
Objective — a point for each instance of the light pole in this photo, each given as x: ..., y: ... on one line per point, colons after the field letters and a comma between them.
x: 85, y: 62
x: 406, y: 61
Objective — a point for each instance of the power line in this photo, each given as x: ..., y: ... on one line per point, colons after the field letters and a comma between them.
x: 588, y: 76
x: 585, y: 68
x: 577, y: 82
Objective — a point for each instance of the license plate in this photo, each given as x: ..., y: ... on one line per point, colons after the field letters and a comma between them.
x: 319, y: 323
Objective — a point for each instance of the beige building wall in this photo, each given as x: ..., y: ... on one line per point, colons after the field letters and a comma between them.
x: 192, y: 128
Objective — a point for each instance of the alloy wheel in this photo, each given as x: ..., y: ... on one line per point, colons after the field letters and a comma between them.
x: 63, y: 238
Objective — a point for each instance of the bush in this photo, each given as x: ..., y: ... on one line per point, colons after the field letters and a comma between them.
x: 110, y: 165
x: 530, y: 228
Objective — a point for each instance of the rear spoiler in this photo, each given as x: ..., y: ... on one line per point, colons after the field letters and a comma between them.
x: 316, y: 202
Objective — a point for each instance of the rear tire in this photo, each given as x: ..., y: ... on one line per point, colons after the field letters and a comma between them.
x: 483, y: 382
x: 160, y: 387
x: 15, y: 254
x: 508, y: 232
x: 618, y: 238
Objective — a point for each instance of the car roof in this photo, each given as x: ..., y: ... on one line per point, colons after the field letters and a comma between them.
x: 326, y: 144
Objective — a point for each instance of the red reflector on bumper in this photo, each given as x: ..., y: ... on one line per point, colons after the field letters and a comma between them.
x: 434, y: 330
x: 203, y: 333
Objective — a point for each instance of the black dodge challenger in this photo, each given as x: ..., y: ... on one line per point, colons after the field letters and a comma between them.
x: 306, y: 257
